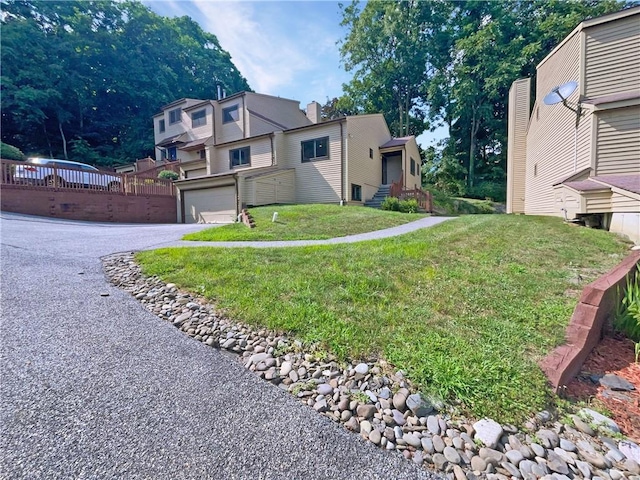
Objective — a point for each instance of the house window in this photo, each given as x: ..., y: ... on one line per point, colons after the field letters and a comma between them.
x: 202, y: 154
x: 239, y: 157
x: 198, y: 118
x: 413, y: 167
x: 315, y: 149
x: 161, y: 126
x: 356, y: 192
x: 170, y: 153
x: 230, y: 114
x: 371, y: 153
x: 175, y: 116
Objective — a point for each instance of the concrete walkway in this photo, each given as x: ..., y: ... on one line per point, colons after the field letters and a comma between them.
x: 93, y: 385
x: 385, y: 233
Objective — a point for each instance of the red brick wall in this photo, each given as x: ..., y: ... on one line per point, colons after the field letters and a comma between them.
x: 96, y: 206
x: 596, y: 308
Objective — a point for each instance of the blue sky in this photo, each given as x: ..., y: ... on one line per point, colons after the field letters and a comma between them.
x: 283, y: 48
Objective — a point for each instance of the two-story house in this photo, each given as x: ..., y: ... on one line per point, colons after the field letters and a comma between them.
x: 580, y: 159
x: 251, y: 149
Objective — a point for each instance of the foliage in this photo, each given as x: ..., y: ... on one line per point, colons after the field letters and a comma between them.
x: 425, y: 64
x: 82, y: 79
x: 9, y: 152
x: 488, y: 190
x: 394, y: 204
x: 627, y: 314
x: 168, y: 175
x: 465, y: 308
x: 444, y: 204
x: 391, y: 204
x: 305, y: 222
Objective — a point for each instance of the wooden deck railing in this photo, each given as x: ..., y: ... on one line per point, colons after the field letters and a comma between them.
x: 29, y: 176
x: 424, y: 199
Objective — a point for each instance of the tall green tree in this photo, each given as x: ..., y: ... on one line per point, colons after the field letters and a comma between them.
x: 82, y: 79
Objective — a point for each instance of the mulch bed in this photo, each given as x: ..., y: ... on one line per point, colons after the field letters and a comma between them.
x: 613, y: 355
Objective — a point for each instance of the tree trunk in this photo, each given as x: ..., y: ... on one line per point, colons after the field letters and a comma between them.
x: 475, y: 126
x: 64, y: 141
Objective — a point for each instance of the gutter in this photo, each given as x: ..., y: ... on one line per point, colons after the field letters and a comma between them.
x: 342, y: 163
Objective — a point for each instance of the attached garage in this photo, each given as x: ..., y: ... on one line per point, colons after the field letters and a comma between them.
x: 207, y: 199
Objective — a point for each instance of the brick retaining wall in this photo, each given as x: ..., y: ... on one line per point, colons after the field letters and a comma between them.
x: 95, y: 206
x: 596, y: 307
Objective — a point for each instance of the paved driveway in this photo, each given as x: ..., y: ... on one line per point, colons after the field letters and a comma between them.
x: 95, y: 386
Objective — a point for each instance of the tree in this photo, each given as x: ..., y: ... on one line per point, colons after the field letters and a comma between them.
x: 82, y: 79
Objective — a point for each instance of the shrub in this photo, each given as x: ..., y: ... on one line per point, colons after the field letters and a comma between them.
x: 9, y: 152
x: 627, y: 315
x: 490, y: 190
x: 168, y: 175
x: 409, y: 206
x: 390, y: 203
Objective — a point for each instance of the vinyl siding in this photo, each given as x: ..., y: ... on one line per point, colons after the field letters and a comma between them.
x: 412, y: 181
x: 363, y: 133
x: 612, y: 57
x: 199, y: 172
x: 317, y: 181
x: 623, y: 203
x: 283, y: 111
x: 550, y: 139
x: 618, y: 141
x: 231, y: 131
x: 260, y: 155
x: 568, y: 199
x: 203, y: 131
x: 278, y: 187
x: 519, y: 104
x: 597, y: 202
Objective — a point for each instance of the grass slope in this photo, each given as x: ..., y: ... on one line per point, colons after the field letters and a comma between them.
x: 306, y: 222
x: 466, y: 308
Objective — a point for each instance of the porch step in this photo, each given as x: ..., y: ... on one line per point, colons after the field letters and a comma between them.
x: 378, y: 198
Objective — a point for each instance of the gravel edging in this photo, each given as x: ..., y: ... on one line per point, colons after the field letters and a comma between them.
x: 381, y: 405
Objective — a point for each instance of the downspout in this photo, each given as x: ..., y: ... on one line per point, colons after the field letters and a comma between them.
x: 235, y: 178
x: 244, y: 117
x: 343, y: 161
x: 273, y: 154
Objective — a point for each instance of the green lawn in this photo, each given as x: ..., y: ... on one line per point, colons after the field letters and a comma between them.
x: 306, y: 222
x: 466, y: 308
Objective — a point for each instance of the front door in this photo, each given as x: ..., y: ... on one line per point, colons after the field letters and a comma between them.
x: 391, y: 169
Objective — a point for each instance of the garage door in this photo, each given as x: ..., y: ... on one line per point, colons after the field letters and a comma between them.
x: 212, y: 205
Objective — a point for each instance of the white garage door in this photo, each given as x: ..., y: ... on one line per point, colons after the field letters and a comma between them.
x: 212, y: 205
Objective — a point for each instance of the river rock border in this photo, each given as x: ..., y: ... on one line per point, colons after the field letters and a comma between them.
x: 380, y: 404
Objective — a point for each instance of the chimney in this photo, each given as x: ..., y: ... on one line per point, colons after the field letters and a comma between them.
x: 313, y: 112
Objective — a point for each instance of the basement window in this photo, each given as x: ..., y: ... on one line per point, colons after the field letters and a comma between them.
x: 356, y: 192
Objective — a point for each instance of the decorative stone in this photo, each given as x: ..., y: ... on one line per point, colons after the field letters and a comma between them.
x: 584, y: 468
x: 630, y: 450
x: 427, y: 445
x: 439, y: 460
x: 614, y: 382
x: 362, y: 368
x: 365, y: 427
x: 398, y: 418
x: 412, y: 439
x: 549, y: 438
x: 458, y: 473
x: 478, y: 464
x: 599, y: 419
x: 582, y: 426
x: 353, y: 425
x: 400, y: 401
x: 325, y: 389
x: 366, y: 411
x: 432, y: 425
x: 321, y: 406
x: 375, y: 436
x: 491, y: 456
x: 420, y: 407
x: 514, y: 456
x: 488, y: 432
x: 556, y: 463
x: 258, y: 357
x: 512, y: 469
x: 438, y: 443
x: 567, y: 445
x: 595, y: 459
x: 452, y: 455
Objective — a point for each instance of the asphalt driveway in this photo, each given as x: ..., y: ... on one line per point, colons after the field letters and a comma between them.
x: 94, y: 386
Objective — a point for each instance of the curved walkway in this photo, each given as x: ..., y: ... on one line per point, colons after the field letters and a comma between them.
x: 95, y: 386
x: 361, y: 237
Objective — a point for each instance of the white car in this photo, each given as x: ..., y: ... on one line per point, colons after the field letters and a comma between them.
x: 64, y: 173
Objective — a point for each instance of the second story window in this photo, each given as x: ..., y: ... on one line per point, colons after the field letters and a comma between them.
x: 198, y: 118
x: 175, y: 116
x: 161, y: 126
x: 230, y: 114
x: 316, y: 149
x: 239, y: 157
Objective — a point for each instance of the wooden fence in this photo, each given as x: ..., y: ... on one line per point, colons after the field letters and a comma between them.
x: 424, y: 198
x: 35, y: 176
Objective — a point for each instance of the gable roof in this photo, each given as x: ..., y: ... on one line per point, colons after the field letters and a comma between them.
x: 397, y: 142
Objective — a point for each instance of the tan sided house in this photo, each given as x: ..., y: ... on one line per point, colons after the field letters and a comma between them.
x: 251, y: 149
x: 576, y: 153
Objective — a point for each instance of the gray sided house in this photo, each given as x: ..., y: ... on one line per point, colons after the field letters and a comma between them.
x: 581, y: 160
x: 251, y: 149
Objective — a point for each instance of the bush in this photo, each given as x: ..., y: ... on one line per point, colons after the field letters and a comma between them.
x: 627, y: 315
x: 489, y: 190
x: 390, y: 203
x: 9, y: 152
x: 409, y: 206
x: 395, y: 205
x: 168, y: 175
